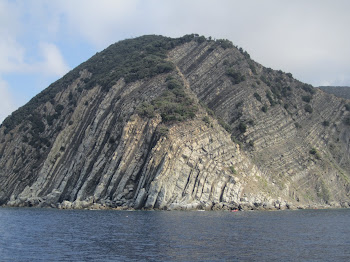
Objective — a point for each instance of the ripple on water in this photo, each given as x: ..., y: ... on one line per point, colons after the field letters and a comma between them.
x: 29, y: 234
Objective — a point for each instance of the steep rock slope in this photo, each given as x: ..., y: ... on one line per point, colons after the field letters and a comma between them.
x: 297, y: 135
x: 155, y: 122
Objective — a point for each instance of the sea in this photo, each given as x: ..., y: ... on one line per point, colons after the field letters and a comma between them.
x: 33, y: 234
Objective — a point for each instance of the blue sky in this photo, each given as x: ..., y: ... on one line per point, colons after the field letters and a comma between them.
x: 41, y: 40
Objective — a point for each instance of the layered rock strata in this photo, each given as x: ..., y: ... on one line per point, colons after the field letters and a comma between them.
x: 259, y: 139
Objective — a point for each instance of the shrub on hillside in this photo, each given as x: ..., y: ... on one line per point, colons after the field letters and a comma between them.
x: 173, y: 104
x: 236, y: 77
x: 308, y: 108
x: 264, y: 108
x: 257, y: 96
x: 306, y: 98
x: 242, y: 127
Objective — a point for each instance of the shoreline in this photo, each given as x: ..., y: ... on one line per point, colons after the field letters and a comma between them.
x: 100, y: 207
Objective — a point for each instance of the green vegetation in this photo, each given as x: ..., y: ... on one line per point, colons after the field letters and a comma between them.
x: 244, y: 53
x: 226, y: 126
x: 279, y: 86
x: 257, y: 96
x: 70, y: 96
x: 133, y: 59
x: 206, y: 120
x: 239, y: 104
x: 297, y: 125
x: 269, y: 97
x: 252, y: 67
x: 251, y: 122
x: 306, y: 98
x: 224, y: 43
x: 146, y: 109
x: 25, y: 139
x: 232, y: 169
x: 59, y: 108
x: 163, y: 131
x: 242, y: 127
x: 235, y: 140
x: 308, y: 88
x: 264, y: 108
x: 347, y: 121
x: 264, y: 79
x: 209, y: 111
x: 173, y: 83
x: 308, y: 108
x: 286, y: 91
x: 236, y: 77
x: 112, y: 140
x: 325, y: 123
x: 289, y: 75
x: 200, y: 39
x: 37, y: 125
x: 173, y: 104
x: 314, y: 152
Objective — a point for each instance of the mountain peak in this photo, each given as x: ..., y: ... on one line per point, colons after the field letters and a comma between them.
x: 176, y: 123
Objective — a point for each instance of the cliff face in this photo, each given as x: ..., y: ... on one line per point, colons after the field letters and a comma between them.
x: 204, y: 126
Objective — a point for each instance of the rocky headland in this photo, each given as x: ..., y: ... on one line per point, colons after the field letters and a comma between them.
x: 186, y: 123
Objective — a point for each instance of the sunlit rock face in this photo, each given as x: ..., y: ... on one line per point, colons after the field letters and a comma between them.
x: 187, y: 123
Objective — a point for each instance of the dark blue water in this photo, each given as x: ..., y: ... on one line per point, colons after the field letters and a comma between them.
x: 69, y: 235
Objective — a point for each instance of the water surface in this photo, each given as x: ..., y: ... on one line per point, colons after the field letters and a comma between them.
x: 30, y: 234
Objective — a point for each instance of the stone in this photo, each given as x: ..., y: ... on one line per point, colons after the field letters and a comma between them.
x: 101, y: 152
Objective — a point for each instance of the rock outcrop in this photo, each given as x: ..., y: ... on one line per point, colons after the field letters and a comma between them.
x: 196, y: 125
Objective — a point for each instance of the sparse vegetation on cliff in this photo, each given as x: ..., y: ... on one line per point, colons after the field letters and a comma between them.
x: 308, y: 108
x: 133, y: 59
x: 173, y: 104
x: 81, y: 143
x: 236, y: 77
x: 257, y: 97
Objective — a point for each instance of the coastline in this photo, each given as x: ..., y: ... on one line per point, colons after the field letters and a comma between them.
x: 82, y: 205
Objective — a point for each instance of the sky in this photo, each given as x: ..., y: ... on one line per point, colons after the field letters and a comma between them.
x: 41, y: 40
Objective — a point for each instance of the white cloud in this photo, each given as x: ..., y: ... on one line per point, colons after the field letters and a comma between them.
x: 101, y: 21
x: 23, y: 53
x: 29, y: 21
x: 307, y: 38
x: 9, y: 22
x: 11, y: 55
x: 53, y: 63
x: 13, y: 59
x: 7, y: 104
x: 11, y: 52
x: 295, y: 36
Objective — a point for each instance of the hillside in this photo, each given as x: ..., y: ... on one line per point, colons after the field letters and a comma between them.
x: 185, y: 123
x: 339, y: 91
